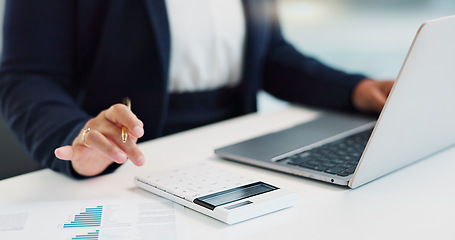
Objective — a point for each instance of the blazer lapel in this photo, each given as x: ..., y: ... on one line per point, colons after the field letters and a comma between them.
x: 255, y: 44
x: 160, y: 26
x: 257, y: 31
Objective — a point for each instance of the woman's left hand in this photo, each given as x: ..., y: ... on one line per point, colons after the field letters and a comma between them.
x: 370, y: 95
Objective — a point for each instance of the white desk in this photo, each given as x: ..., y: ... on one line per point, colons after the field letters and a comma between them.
x: 402, y: 205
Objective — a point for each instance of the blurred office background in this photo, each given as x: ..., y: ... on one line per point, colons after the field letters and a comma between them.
x: 365, y: 36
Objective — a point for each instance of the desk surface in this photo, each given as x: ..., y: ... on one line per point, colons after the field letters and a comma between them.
x: 403, y: 205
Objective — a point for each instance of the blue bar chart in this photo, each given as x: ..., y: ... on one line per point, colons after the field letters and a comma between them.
x: 91, y: 235
x: 91, y: 217
x: 111, y: 219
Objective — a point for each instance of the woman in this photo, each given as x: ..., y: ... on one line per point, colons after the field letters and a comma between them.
x: 66, y: 65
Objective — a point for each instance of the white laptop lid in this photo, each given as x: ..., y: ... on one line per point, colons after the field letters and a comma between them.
x: 419, y: 116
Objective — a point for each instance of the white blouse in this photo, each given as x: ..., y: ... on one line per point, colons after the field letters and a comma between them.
x: 207, y: 41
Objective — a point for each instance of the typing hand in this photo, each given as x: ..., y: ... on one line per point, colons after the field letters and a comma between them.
x: 370, y: 95
x: 100, y: 142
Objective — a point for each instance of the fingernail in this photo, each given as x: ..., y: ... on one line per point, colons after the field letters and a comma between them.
x: 138, y: 131
x: 140, y: 161
x: 120, y: 157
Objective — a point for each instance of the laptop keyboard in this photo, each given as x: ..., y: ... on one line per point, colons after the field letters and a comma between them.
x: 339, y: 157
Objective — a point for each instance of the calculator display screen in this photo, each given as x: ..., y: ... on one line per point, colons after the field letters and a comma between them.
x: 234, y: 194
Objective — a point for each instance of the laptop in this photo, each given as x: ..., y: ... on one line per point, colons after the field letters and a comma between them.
x: 417, y: 120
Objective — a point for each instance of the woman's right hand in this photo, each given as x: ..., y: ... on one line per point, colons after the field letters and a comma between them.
x: 100, y: 143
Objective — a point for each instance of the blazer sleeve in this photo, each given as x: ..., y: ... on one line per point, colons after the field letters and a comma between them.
x: 37, y: 78
x: 292, y: 76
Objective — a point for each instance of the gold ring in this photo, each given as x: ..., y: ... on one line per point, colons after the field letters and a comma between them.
x: 85, y: 132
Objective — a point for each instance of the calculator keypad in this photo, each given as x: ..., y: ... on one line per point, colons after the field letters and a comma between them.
x: 196, y: 180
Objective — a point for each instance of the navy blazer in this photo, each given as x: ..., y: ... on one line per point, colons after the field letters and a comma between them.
x: 65, y: 61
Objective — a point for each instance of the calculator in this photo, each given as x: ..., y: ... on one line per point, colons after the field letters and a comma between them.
x: 218, y: 193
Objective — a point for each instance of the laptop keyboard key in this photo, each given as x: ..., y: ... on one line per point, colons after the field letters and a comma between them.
x: 343, y: 174
x: 350, y: 170
x: 308, y: 165
x: 334, y: 170
x: 320, y: 168
x: 296, y: 161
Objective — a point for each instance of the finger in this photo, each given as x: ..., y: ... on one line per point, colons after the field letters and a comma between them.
x: 64, y: 153
x: 387, y: 87
x: 112, y: 134
x: 134, y: 153
x: 95, y: 139
x: 123, y: 116
x: 378, y: 100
